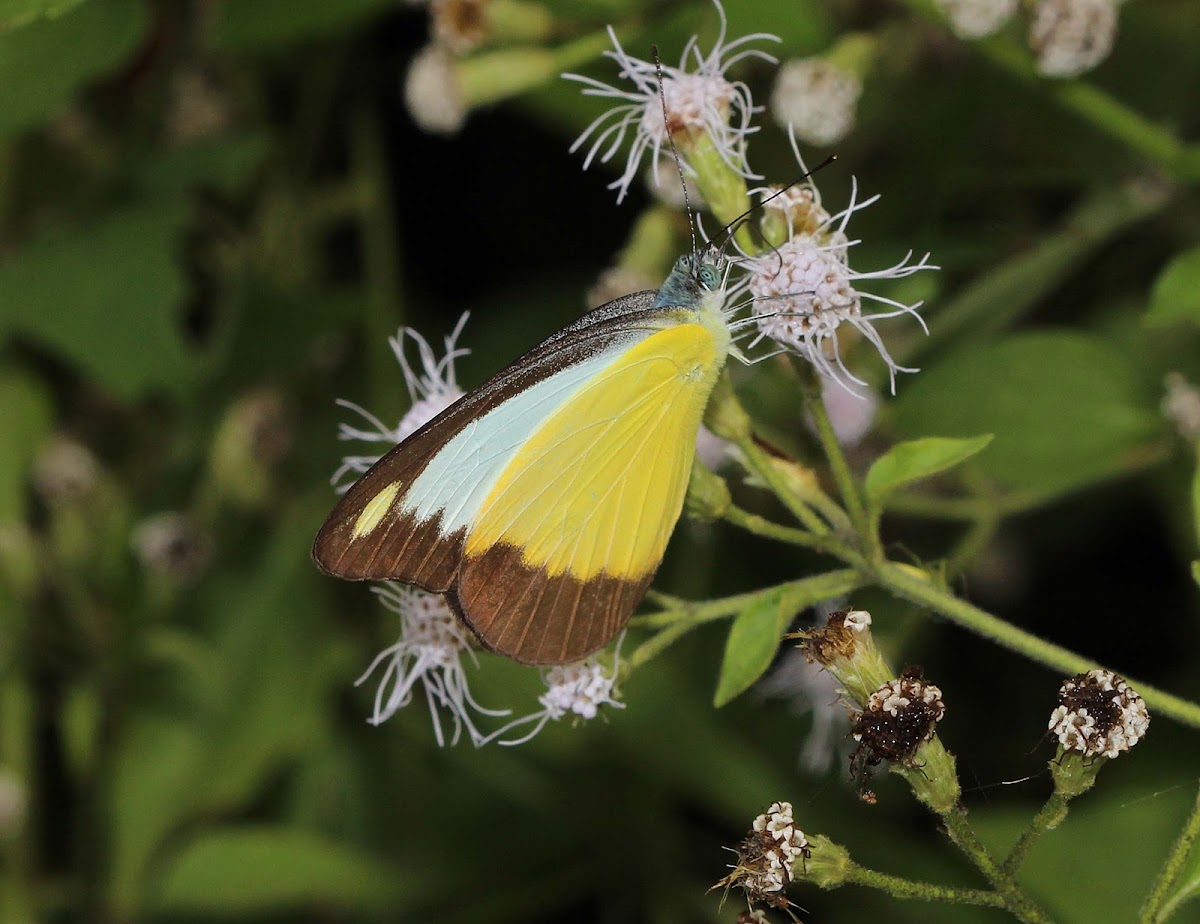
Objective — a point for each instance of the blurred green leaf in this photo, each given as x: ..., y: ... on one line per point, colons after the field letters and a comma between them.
x: 43, y: 64
x: 1095, y: 839
x: 14, y: 13
x: 28, y: 417
x: 1176, y: 295
x: 1065, y: 408
x: 226, y: 165
x: 152, y: 793
x: 278, y: 663
x: 1196, y: 572
x: 910, y: 461
x: 255, y: 25
x: 108, y: 297
x: 753, y: 640
x: 257, y: 870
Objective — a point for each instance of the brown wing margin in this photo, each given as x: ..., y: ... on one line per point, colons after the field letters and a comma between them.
x: 536, y: 618
x: 402, y: 549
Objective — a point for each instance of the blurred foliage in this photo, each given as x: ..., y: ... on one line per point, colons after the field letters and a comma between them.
x: 212, y: 215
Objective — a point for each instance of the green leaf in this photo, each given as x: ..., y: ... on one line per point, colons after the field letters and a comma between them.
x: 278, y: 670
x: 28, y: 417
x: 1065, y: 408
x: 14, y: 13
x: 252, y: 25
x: 226, y: 165
x: 152, y: 794
x: 753, y: 640
x: 1176, y: 294
x: 916, y: 459
x: 260, y: 870
x: 43, y: 64
x: 107, y: 297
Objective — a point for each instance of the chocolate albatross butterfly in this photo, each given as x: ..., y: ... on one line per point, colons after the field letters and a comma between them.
x: 541, y: 503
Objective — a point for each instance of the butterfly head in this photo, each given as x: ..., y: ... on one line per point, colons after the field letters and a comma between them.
x: 694, y: 276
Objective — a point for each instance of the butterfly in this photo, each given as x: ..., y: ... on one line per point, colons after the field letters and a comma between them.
x: 541, y: 503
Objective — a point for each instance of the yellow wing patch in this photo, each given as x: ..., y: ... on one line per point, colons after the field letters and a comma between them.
x: 374, y: 511
x: 598, y: 487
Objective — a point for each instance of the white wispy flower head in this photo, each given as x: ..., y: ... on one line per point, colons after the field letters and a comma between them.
x: 975, y: 19
x: 698, y: 98
x: 429, y: 655
x: 1070, y: 37
x: 809, y: 689
x: 432, y: 387
x: 817, y: 98
x: 805, y: 289
x: 578, y: 689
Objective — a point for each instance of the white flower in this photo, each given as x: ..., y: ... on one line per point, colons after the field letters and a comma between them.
x: 975, y: 19
x: 580, y: 688
x: 433, y: 93
x: 432, y: 390
x: 851, y: 411
x: 702, y: 100
x: 1181, y: 405
x: 429, y: 652
x: 817, y: 98
x: 1099, y: 714
x: 810, y: 689
x: 805, y: 289
x: 1072, y: 36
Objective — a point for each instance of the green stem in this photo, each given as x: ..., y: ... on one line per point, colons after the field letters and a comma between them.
x: 677, y: 622
x: 761, y: 526
x: 1052, y: 814
x: 868, y: 536
x: 1094, y: 106
x: 1157, y: 906
x: 965, y: 838
x: 760, y: 463
x: 912, y: 584
x: 923, y: 891
x: 381, y: 253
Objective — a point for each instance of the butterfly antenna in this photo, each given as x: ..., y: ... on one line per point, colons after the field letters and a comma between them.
x: 732, y: 227
x: 662, y: 98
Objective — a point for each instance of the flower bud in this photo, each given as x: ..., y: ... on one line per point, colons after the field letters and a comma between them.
x: 1070, y: 37
x: 707, y: 497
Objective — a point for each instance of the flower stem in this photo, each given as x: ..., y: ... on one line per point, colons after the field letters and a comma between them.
x: 1051, y: 815
x: 760, y: 463
x: 761, y: 526
x: 867, y: 534
x: 1158, y: 906
x: 1096, y: 107
x: 915, y: 585
x: 923, y: 891
x: 965, y: 838
x: 677, y: 622
x: 381, y: 252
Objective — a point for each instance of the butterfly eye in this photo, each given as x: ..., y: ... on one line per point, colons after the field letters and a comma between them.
x: 708, y: 276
